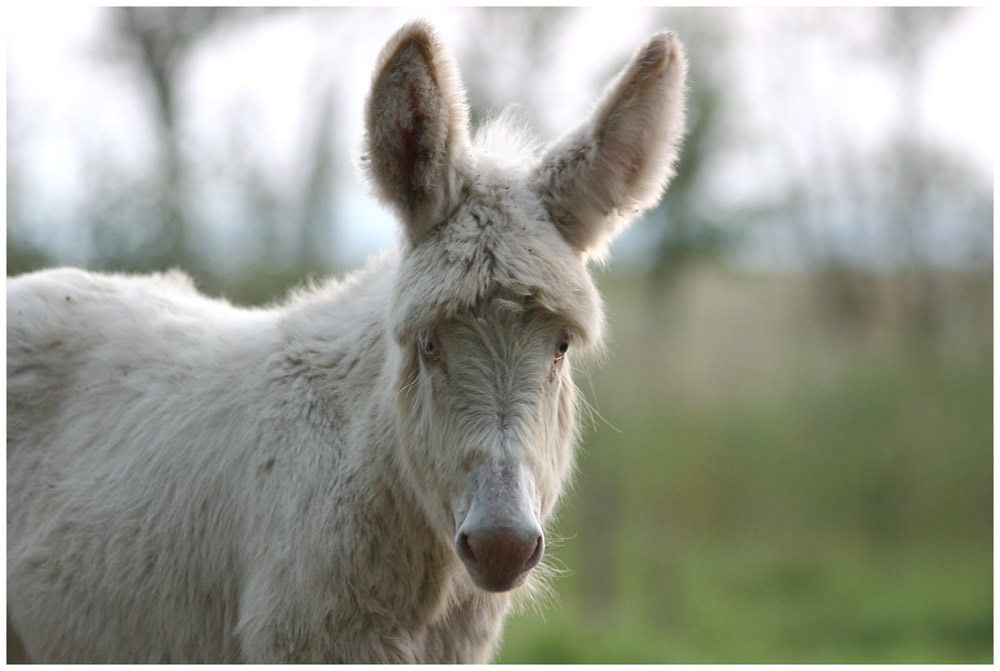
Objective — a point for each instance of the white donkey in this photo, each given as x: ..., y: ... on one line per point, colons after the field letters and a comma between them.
x: 363, y: 473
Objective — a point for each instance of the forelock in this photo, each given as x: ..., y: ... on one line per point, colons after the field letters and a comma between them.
x: 497, y: 241
x: 505, y: 143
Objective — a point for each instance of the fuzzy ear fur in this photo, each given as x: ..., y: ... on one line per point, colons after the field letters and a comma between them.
x: 416, y: 124
x: 596, y: 180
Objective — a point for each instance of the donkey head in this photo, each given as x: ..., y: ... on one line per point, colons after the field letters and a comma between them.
x: 492, y: 296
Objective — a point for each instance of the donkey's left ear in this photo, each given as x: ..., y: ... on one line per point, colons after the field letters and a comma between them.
x: 416, y: 128
x: 599, y: 178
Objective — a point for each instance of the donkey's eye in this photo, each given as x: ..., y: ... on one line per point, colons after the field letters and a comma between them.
x: 430, y: 348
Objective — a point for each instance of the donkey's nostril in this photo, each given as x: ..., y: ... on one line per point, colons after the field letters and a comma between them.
x: 465, y: 550
x: 499, y: 558
x: 536, y: 554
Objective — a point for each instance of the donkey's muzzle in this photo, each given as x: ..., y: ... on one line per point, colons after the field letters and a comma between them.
x: 498, y: 559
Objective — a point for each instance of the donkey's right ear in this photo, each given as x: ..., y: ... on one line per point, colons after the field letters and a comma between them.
x: 416, y: 128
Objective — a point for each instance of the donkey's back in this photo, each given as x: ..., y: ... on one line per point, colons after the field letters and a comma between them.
x: 76, y: 340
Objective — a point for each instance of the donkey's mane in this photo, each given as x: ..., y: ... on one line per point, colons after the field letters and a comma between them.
x: 506, y: 141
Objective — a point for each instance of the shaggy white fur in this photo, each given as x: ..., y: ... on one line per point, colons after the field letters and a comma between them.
x: 363, y: 473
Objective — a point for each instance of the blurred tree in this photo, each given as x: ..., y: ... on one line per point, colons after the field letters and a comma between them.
x: 290, y: 220
x: 156, y: 42
x: 316, y: 215
x: 24, y: 254
x: 854, y: 213
x: 146, y: 215
x: 919, y: 167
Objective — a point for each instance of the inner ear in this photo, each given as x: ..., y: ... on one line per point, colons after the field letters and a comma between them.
x: 416, y: 128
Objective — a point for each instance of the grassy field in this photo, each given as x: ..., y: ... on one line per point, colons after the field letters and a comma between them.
x: 763, y: 486
x: 740, y: 602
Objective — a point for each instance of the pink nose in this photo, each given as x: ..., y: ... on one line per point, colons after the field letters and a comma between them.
x: 499, y: 558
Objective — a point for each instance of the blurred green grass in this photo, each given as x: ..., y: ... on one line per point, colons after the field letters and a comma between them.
x: 730, y: 601
x: 763, y: 486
